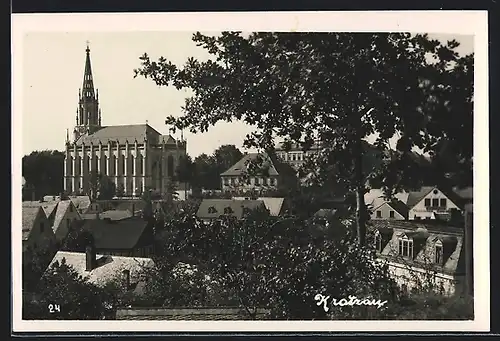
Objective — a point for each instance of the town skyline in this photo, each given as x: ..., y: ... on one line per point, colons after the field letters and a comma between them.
x: 123, y: 98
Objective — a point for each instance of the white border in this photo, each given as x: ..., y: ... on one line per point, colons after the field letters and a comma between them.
x: 452, y: 22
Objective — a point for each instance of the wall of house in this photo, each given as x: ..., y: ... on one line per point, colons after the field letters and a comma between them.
x: 423, y: 212
x: 385, y: 210
x: 70, y: 216
x: 39, y: 241
x: 255, y: 183
x: 412, y: 277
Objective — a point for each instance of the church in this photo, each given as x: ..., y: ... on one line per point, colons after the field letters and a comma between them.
x: 135, y: 157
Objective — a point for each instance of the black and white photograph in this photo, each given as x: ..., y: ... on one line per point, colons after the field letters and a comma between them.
x: 216, y: 172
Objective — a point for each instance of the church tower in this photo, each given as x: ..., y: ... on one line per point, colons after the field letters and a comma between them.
x: 88, y: 114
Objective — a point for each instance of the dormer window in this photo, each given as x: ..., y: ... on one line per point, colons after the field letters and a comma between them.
x: 228, y: 210
x: 438, y: 252
x: 405, y: 247
x: 212, y: 210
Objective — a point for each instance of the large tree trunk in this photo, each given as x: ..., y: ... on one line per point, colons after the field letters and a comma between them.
x: 360, y: 194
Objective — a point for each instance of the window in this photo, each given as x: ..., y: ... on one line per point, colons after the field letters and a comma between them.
x: 88, y: 164
x: 435, y: 202
x: 42, y: 227
x: 132, y: 168
x: 442, y: 203
x: 141, y: 165
x: 405, y: 247
x: 106, y: 165
x: 122, y: 162
x: 257, y: 181
x: 417, y: 218
x: 226, y: 181
x: 379, y: 214
x: 427, y: 202
x: 272, y: 181
x: 391, y: 214
x: 438, y: 253
x: 228, y: 210
x: 212, y: 210
x: 265, y: 181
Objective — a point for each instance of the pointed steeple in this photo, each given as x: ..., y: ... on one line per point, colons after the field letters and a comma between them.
x: 88, y: 114
x: 88, y: 91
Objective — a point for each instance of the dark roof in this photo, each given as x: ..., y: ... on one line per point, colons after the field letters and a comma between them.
x: 399, y: 206
x: 410, y: 225
x: 122, y: 134
x: 240, y: 167
x: 414, y: 197
x: 116, y: 214
x: 123, y: 234
x: 237, y: 207
x: 122, y: 204
x: 187, y: 314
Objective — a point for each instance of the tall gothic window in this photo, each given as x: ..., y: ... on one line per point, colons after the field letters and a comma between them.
x: 70, y: 166
x: 122, y: 162
x: 88, y: 163
x: 141, y: 162
x: 132, y: 160
x: 170, y: 166
x: 106, y: 166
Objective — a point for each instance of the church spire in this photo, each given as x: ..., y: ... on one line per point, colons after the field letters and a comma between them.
x: 88, y: 81
x: 88, y: 118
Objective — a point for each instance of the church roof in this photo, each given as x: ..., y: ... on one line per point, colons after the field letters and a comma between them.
x: 120, y: 133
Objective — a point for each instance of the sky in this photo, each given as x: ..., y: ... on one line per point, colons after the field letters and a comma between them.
x: 53, y: 66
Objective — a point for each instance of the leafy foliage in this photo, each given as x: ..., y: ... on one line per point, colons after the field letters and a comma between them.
x: 101, y: 187
x: 43, y: 170
x: 76, y: 297
x: 338, y: 88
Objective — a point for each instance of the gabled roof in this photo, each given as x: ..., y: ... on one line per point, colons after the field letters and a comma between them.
x: 81, y: 202
x: 62, y: 208
x: 240, y: 167
x: 120, y: 134
x: 237, y: 206
x: 30, y: 215
x: 274, y: 205
x: 109, y: 267
x: 116, y: 235
x: 396, y: 205
x: 47, y: 206
x: 415, y: 197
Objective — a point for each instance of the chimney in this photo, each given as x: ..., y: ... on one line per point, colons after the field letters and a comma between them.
x: 469, y: 256
x: 126, y: 279
x: 90, y: 257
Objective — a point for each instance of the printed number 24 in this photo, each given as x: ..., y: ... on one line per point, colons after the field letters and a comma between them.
x: 54, y: 308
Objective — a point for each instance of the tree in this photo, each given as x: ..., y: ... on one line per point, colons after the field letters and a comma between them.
x: 336, y: 88
x: 226, y: 156
x: 43, y: 170
x: 101, y: 187
x: 185, y: 172
x: 120, y: 190
x: 74, y: 296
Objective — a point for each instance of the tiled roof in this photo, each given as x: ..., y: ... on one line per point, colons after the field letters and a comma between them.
x: 375, y: 197
x: 398, y: 206
x: 116, y: 214
x: 30, y: 214
x: 120, y: 134
x: 240, y: 167
x: 425, y: 237
x: 109, y: 267
x: 114, y: 235
x: 47, y: 206
x: 62, y: 208
x: 416, y: 196
x: 187, y: 314
x: 274, y: 205
x: 237, y: 207
x: 81, y: 202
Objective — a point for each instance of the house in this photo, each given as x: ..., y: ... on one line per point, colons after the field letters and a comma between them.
x: 61, y: 214
x: 269, y: 174
x: 132, y: 237
x: 37, y: 234
x: 296, y: 156
x: 102, y: 269
x: 432, y: 203
x: 276, y: 206
x: 419, y: 253
x: 188, y: 314
x: 428, y: 203
x: 133, y: 205
x: 214, y: 208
